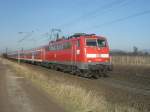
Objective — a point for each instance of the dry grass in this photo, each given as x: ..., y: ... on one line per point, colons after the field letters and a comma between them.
x: 131, y: 60
x: 72, y: 96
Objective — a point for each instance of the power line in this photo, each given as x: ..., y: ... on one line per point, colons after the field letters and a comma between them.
x: 28, y: 34
x: 122, y: 19
x: 89, y: 14
x: 111, y: 9
x: 48, y: 36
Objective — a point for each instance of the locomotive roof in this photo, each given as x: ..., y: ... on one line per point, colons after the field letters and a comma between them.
x: 74, y: 36
x: 81, y: 34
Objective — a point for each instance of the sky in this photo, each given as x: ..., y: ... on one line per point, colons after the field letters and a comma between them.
x: 125, y: 23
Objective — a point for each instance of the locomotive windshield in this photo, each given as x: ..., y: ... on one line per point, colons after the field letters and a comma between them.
x: 96, y: 42
x: 101, y: 43
x: 91, y: 42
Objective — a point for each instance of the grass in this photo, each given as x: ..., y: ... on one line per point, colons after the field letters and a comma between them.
x: 72, y: 96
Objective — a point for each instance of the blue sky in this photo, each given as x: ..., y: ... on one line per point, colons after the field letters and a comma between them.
x: 73, y: 16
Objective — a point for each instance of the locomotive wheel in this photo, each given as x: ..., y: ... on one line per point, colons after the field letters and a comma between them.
x: 57, y: 69
x: 96, y: 76
x: 105, y: 75
x: 87, y: 74
x: 78, y: 72
x: 104, y: 72
x: 49, y: 66
x: 73, y: 70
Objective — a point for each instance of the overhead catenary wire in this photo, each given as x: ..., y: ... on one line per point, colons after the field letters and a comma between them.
x: 45, y: 36
x: 112, y: 8
x: 33, y: 37
x: 28, y: 34
x: 89, y: 14
x: 121, y: 19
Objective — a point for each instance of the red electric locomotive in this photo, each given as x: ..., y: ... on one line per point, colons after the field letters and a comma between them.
x: 81, y: 54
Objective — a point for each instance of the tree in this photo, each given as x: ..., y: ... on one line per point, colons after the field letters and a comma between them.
x: 135, y: 50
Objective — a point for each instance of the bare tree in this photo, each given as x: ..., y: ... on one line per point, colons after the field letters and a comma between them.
x: 135, y: 50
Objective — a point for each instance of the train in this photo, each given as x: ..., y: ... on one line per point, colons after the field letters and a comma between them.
x: 80, y: 54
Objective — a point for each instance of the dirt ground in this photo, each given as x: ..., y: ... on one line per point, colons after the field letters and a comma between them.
x: 19, y: 95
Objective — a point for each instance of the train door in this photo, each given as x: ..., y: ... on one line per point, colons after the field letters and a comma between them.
x: 76, y: 51
x: 43, y: 51
x: 32, y: 58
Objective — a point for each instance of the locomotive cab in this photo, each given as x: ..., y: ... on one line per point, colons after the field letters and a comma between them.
x: 95, y: 54
x: 97, y: 50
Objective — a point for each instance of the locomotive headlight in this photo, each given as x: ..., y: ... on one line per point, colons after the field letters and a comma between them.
x: 89, y: 61
x: 91, y: 55
x: 104, y: 55
x: 78, y: 52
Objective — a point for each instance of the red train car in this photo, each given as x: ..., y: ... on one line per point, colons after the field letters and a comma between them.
x: 81, y: 54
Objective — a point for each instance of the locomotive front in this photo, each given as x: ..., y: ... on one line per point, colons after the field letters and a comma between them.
x: 96, y: 58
